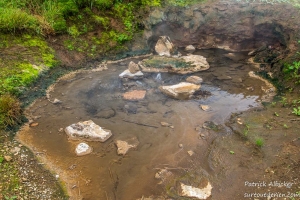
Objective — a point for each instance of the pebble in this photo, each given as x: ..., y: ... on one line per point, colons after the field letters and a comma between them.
x: 205, y: 107
x: 33, y: 124
x: 8, y: 158
x: 190, y: 153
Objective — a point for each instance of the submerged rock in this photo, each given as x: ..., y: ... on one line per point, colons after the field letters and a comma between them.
x: 205, y: 107
x: 134, y: 95
x: 164, y: 46
x: 190, y: 191
x: 128, y: 74
x: 190, y: 48
x: 87, y: 130
x: 133, y: 67
x: 83, y: 149
x: 181, y: 65
x: 194, y: 79
x: 165, y: 124
x: 182, y: 90
x: 124, y: 146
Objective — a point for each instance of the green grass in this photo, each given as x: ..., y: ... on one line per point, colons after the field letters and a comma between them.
x: 19, y: 70
x: 163, y: 62
x: 182, y: 3
x: 259, y: 142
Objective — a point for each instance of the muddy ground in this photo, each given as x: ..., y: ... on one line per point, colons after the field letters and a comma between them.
x: 241, y: 166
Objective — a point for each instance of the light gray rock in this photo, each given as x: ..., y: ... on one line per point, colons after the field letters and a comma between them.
x: 190, y: 48
x: 133, y: 67
x: 193, y: 192
x: 182, y: 90
x: 88, y: 131
x: 124, y: 145
x: 164, y: 46
x: 128, y: 74
x: 199, y: 62
x: 194, y: 79
x: 83, y: 149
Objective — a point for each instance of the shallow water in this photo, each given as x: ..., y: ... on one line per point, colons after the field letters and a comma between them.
x: 98, y: 96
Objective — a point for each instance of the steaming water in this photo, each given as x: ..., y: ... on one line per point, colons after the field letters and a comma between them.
x: 98, y: 96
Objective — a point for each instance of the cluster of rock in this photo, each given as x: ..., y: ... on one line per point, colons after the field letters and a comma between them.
x: 168, y: 61
x: 89, y: 131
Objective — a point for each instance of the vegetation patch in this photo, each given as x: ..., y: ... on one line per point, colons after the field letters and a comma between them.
x: 10, y: 111
x: 165, y: 62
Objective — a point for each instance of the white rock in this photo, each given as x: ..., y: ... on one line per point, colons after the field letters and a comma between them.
x: 128, y: 74
x: 83, y: 149
x: 190, y: 48
x: 88, y: 131
x: 182, y: 90
x: 57, y: 101
x: 199, y: 62
x: 205, y: 107
x: 190, y: 153
x: 189, y: 191
x: 164, y: 46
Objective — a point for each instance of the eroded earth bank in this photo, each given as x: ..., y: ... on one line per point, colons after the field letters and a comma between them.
x: 211, y: 141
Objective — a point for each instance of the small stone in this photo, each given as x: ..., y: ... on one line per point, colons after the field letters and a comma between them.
x: 205, y: 107
x: 83, y: 149
x: 128, y: 74
x: 180, y: 145
x: 56, y: 176
x: 61, y: 130
x: 33, y: 124
x: 190, y: 48
x: 133, y: 67
x: 8, y: 158
x: 239, y: 121
x: 16, y: 150
x: 194, y: 79
x: 124, y: 146
x: 57, y: 101
x: 165, y: 124
x: 190, y: 153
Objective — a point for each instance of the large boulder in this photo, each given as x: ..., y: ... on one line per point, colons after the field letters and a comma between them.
x: 182, y: 90
x: 88, y: 131
x: 182, y: 65
x: 134, y: 95
x: 164, y: 46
